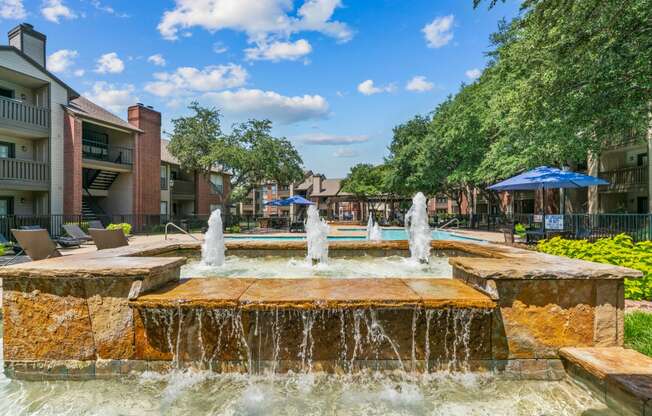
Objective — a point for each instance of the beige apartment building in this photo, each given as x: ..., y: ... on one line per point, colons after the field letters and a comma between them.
x: 61, y: 154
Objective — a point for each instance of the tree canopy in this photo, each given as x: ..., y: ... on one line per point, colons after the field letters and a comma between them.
x: 563, y: 79
x: 249, y: 153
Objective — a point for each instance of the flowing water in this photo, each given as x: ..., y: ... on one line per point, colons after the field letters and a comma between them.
x: 374, y: 232
x: 417, y: 228
x: 317, y: 235
x: 212, y: 250
x: 346, y: 267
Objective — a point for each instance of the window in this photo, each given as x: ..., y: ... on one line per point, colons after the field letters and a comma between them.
x: 216, y: 183
x: 7, y: 93
x: 164, y: 207
x: 7, y: 150
x: 6, y: 205
x: 164, y: 177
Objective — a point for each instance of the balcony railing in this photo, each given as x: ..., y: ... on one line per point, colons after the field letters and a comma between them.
x: 180, y: 187
x: 20, y: 114
x: 625, y: 177
x: 28, y: 171
x: 107, y: 153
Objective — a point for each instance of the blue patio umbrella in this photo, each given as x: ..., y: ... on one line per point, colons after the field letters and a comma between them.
x: 545, y: 177
x: 295, y: 200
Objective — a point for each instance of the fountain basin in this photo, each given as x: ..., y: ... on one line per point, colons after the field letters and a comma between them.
x: 86, y: 316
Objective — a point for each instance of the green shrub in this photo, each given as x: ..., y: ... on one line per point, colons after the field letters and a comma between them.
x: 125, y: 227
x: 519, y: 230
x: 234, y: 229
x: 638, y: 331
x: 619, y: 250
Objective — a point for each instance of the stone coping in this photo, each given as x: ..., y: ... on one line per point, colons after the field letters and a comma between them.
x: 487, y: 261
x: 623, y: 377
x: 315, y: 293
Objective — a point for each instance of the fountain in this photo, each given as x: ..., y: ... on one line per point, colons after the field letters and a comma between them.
x: 212, y: 251
x: 317, y: 236
x: 373, y: 230
x: 418, y: 230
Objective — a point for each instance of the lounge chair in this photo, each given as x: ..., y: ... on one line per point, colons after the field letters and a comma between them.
x: 65, y: 242
x: 105, y: 239
x: 36, y: 244
x: 74, y: 231
x: 97, y: 224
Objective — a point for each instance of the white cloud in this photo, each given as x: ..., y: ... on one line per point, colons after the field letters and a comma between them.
x: 269, y: 104
x: 79, y: 72
x: 115, y: 98
x: 12, y: 9
x: 368, y: 88
x: 331, y: 139
x: 109, y: 63
x: 345, y: 152
x: 219, y: 47
x: 53, y: 10
x: 439, y: 32
x: 157, y: 59
x: 278, y: 51
x: 186, y: 80
x: 107, y: 9
x: 473, y: 74
x: 259, y: 19
x: 419, y: 83
x: 61, y: 60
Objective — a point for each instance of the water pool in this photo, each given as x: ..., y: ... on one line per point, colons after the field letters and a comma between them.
x: 401, y: 234
x: 339, y: 267
x: 195, y: 393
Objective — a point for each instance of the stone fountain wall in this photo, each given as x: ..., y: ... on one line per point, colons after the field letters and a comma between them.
x: 98, y: 315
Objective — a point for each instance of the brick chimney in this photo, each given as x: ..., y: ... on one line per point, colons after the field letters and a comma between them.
x: 147, y: 160
x: 27, y: 40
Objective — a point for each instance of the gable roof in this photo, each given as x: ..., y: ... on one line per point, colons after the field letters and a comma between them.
x: 85, y: 108
x: 329, y: 187
x: 167, y: 157
x: 71, y: 93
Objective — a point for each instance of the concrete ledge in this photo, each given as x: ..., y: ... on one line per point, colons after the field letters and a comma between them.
x: 620, y: 377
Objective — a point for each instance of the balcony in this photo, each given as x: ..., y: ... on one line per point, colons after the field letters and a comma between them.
x: 624, y: 179
x: 22, y: 119
x: 24, y: 175
x: 181, y: 189
x: 104, y: 156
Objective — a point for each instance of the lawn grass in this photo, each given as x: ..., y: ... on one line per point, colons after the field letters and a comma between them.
x: 638, y: 331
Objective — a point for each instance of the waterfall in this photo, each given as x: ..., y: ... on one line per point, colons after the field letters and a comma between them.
x: 418, y: 230
x: 212, y: 251
x: 373, y: 230
x: 317, y: 236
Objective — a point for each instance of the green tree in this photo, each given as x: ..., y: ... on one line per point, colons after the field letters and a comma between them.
x: 249, y: 153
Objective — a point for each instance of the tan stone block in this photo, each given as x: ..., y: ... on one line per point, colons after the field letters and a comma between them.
x: 606, y: 313
x: 46, y: 320
x: 111, y: 317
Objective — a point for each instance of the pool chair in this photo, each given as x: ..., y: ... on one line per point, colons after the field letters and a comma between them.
x: 97, y: 224
x: 74, y: 231
x: 65, y: 242
x: 36, y: 244
x: 105, y: 239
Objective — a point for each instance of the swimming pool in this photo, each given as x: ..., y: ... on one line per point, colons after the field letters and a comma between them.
x: 388, y: 234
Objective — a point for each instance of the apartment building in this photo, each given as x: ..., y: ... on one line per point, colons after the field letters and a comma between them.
x: 62, y: 154
x: 188, y: 192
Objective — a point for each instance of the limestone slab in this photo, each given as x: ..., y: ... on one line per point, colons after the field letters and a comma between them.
x: 602, y: 362
x: 207, y: 293
x: 439, y: 293
x: 329, y: 293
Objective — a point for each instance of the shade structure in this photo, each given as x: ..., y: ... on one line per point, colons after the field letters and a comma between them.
x: 545, y: 177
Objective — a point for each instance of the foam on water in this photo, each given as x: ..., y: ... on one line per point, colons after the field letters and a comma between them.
x: 297, y: 267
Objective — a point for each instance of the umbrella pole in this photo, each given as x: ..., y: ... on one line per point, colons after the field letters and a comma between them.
x: 544, y: 212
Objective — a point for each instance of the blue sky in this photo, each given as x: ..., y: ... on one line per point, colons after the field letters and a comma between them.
x: 334, y: 75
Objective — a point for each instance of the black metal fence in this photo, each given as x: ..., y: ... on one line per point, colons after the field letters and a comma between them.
x: 576, y: 226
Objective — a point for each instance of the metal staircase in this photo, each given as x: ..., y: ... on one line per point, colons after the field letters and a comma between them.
x: 100, y: 179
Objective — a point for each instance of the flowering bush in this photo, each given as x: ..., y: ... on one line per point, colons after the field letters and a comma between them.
x: 619, y: 250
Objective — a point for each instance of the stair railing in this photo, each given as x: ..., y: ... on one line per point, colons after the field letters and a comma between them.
x: 94, y: 206
x: 180, y: 229
x: 449, y: 223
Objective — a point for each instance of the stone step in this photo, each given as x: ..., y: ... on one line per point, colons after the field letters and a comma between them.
x: 316, y: 293
x: 621, y: 377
